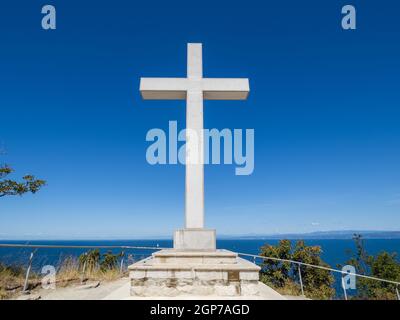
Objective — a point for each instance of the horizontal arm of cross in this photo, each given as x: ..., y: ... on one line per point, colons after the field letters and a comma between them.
x: 163, y: 88
x: 212, y: 88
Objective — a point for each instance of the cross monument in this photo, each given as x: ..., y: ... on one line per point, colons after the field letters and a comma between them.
x: 194, y: 89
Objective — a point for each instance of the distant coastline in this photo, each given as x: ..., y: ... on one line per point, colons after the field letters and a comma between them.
x: 317, y: 235
x: 334, y: 235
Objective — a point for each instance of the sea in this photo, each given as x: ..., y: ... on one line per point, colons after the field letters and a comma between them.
x: 335, y: 252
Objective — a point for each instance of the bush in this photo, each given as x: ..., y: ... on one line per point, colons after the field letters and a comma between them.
x: 89, y: 261
x: 93, y: 261
x: 110, y: 261
x: 284, y: 276
x: 383, y: 266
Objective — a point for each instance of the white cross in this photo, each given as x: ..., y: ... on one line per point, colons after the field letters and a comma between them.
x: 194, y: 89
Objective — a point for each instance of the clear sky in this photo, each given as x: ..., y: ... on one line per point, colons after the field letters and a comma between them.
x: 324, y: 104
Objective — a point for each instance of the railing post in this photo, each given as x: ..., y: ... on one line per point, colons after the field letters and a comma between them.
x: 254, y: 259
x: 301, y: 280
x: 397, y: 292
x: 28, y: 271
x: 122, y: 265
x: 344, y: 288
x: 83, y: 271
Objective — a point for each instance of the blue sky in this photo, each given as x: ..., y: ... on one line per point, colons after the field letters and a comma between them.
x: 324, y: 104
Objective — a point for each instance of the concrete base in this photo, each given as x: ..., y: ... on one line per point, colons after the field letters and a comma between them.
x: 175, y: 256
x: 195, y: 239
x: 170, y: 273
x: 264, y: 293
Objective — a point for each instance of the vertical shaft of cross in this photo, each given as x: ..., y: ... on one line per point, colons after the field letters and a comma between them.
x: 194, y: 61
x: 194, y: 88
x: 194, y: 176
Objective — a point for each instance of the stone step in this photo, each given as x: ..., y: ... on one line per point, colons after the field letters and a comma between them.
x: 242, y: 270
x: 151, y: 264
x: 173, y: 256
x: 151, y: 278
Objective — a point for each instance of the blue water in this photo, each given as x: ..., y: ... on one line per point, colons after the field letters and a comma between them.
x: 334, y: 252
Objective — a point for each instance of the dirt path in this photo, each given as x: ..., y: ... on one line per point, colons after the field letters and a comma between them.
x: 90, y: 291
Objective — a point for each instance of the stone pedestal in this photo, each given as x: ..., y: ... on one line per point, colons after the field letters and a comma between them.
x: 176, y: 272
x: 195, y: 239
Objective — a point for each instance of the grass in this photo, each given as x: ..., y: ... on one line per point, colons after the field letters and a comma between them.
x: 290, y: 288
x: 11, y: 280
x: 69, y: 272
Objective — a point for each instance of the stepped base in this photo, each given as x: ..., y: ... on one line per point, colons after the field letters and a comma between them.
x: 175, y: 272
x: 175, y: 256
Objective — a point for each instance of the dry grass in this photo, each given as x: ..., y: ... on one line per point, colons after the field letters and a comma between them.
x: 68, y: 273
x: 70, y: 269
x: 11, y: 280
x: 290, y: 288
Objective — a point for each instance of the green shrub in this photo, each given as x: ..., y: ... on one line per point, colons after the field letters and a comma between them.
x: 384, y: 266
x: 284, y: 276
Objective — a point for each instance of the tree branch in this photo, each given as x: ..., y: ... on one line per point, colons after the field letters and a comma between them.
x: 12, y: 188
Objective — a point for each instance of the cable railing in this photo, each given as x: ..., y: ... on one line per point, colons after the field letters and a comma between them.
x: 299, y: 264
x: 36, y: 247
x: 255, y: 257
x: 51, y: 246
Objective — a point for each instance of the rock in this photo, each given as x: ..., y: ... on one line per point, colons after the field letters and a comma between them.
x: 90, y: 285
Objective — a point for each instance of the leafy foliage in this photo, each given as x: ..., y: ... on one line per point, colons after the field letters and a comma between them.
x: 110, y: 261
x: 274, y: 271
x: 282, y: 274
x: 11, y: 188
x: 92, y: 260
x: 89, y: 261
x: 383, y: 266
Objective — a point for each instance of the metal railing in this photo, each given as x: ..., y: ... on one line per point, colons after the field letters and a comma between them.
x: 255, y: 257
x: 51, y: 246
x: 299, y: 264
x: 36, y: 247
